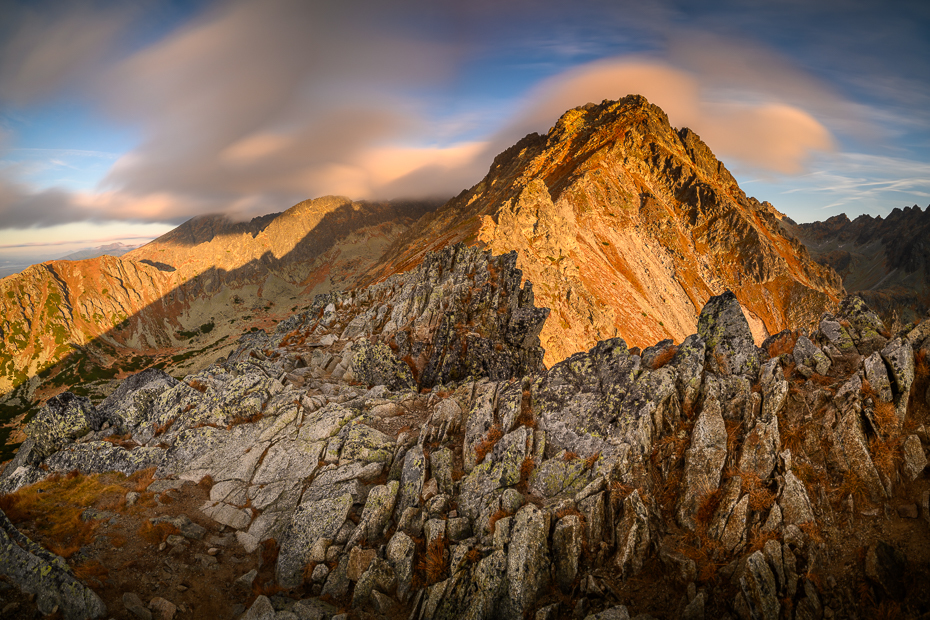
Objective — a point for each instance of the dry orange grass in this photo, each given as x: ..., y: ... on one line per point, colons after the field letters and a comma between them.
x: 162, y: 428
x: 487, y: 444
x: 53, y: 508
x: 123, y: 441
x: 197, y: 385
x: 758, y: 538
x: 707, y: 507
x: 760, y: 497
x: 526, y: 468
x: 792, y: 436
x: 433, y: 563
x: 91, y: 571
x: 526, y: 417
x: 852, y: 485
x: 499, y: 514
x: 884, y: 414
x: 569, y: 456
x: 783, y: 344
x: 156, y: 533
x: 885, y: 455
x: 591, y: 461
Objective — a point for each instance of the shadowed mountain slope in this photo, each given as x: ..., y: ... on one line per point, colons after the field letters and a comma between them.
x: 884, y: 260
x: 180, y: 292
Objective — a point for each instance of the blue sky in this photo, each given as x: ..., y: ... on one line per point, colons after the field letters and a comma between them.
x: 120, y: 120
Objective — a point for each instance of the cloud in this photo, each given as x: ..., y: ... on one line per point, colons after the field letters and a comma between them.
x: 53, y: 45
x: 763, y: 134
x: 249, y: 107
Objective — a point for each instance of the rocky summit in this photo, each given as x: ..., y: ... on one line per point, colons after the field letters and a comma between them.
x: 401, y: 451
x: 627, y: 227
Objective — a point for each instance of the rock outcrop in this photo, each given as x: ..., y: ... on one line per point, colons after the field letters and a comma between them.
x: 407, y: 451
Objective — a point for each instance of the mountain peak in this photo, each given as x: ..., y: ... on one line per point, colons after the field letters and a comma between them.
x: 627, y: 227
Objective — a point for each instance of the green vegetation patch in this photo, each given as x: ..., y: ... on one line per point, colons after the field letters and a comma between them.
x: 206, y: 328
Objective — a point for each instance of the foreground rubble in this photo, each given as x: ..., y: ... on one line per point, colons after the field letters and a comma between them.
x: 406, y: 452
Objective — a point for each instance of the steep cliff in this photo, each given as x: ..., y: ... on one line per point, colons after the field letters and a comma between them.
x: 627, y: 227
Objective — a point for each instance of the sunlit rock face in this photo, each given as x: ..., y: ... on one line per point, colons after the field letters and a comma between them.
x: 626, y: 227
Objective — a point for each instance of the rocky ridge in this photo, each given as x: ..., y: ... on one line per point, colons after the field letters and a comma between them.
x: 627, y: 227
x: 172, y: 299
x: 408, y: 454
x: 884, y: 260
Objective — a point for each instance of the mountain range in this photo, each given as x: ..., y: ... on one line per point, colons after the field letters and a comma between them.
x: 624, y: 225
x: 601, y: 382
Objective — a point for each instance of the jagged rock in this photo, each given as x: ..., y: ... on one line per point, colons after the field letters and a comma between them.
x: 131, y: 404
x: 836, y: 334
x: 806, y: 353
x: 689, y: 369
x: 441, y: 467
x: 363, y: 443
x: 619, y: 612
x: 359, y: 560
x: 914, y: 458
x: 759, y: 588
x: 162, y: 609
x: 703, y: 461
x: 41, y: 573
x: 557, y: 476
x: 734, y: 534
x: 380, y: 575
x: 375, y: 364
x: 603, y: 403
x: 594, y: 510
x: 478, y: 423
x: 679, y: 565
x: 60, y: 421
x: 729, y: 340
x: 133, y: 605
x: 886, y: 566
x: 567, y: 541
x: 412, y: 478
x: 527, y: 558
x: 695, y: 609
x: 488, y: 586
x: 850, y: 447
x: 400, y: 552
x: 261, y: 609
x: 865, y: 327
x: 794, y: 502
x: 634, y: 536
x: 774, y: 389
x: 877, y: 376
x: 337, y: 584
x: 760, y: 448
x: 899, y: 356
x: 775, y: 557
x: 311, y: 521
x: 102, y: 456
x: 730, y: 494
x: 378, y: 509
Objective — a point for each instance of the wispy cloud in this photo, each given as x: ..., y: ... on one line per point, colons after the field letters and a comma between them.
x: 249, y: 107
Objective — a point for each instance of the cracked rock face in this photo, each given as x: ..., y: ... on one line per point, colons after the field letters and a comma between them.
x: 405, y: 441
